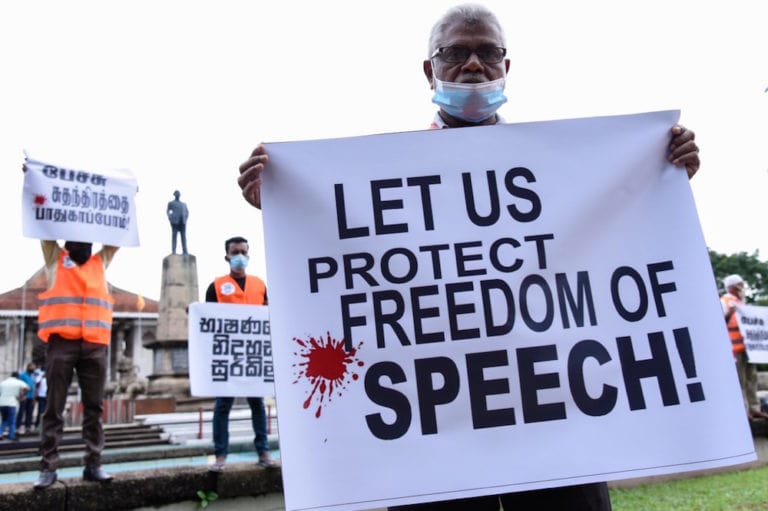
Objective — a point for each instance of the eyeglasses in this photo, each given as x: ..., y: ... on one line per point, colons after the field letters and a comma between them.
x: 460, y: 54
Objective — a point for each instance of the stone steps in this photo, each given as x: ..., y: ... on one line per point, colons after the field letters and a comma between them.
x: 150, y: 437
x: 116, y: 437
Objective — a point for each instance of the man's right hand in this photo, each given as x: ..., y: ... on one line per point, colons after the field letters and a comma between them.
x: 250, y: 176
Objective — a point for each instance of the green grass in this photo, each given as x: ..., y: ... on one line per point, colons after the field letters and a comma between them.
x: 737, y: 491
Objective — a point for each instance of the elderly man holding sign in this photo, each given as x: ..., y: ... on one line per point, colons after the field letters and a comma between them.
x: 466, y: 67
x: 733, y: 298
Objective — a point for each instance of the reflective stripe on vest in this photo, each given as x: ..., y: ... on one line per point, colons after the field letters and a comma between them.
x: 78, y: 305
x: 74, y: 322
x: 100, y: 303
x: 60, y: 300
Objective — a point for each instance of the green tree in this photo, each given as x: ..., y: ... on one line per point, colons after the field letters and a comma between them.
x: 749, y: 266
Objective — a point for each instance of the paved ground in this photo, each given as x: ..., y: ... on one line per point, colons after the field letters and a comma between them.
x: 147, y: 476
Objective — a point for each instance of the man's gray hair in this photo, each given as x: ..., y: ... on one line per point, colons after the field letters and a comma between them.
x: 469, y: 14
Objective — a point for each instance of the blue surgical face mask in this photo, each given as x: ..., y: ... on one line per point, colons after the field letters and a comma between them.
x: 238, y: 262
x: 472, y: 102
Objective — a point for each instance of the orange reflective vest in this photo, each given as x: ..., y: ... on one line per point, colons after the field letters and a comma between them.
x: 737, y: 341
x: 227, y: 290
x: 78, y: 305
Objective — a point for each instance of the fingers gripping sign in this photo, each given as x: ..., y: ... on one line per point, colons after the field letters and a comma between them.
x: 250, y: 176
x: 683, y: 150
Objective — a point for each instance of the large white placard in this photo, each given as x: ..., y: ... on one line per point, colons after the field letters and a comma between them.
x: 58, y: 203
x: 523, y: 306
x: 230, y: 350
x: 753, y: 324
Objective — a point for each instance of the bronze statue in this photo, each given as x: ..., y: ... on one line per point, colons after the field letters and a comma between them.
x: 177, y: 214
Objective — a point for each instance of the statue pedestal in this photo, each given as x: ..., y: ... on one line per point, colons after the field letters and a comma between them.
x: 170, y: 360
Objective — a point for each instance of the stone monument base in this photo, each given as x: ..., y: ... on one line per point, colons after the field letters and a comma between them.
x: 169, y: 350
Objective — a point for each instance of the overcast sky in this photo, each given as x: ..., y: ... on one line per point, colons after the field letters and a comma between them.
x: 181, y: 91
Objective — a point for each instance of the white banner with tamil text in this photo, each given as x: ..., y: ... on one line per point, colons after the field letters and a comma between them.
x: 79, y: 205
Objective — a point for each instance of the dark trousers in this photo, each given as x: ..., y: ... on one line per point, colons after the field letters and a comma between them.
x: 181, y: 229
x: 41, y: 402
x: 63, y: 358
x: 26, y: 411
x: 582, y: 497
x: 221, y: 424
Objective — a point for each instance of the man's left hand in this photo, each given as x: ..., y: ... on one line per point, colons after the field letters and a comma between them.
x: 683, y: 150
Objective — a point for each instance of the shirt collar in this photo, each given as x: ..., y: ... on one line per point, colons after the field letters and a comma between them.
x: 438, y: 123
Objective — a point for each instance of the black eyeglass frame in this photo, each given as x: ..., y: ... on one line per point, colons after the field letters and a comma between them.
x: 439, y: 52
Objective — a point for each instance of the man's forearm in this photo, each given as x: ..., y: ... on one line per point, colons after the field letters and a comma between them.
x: 50, y: 250
x: 107, y: 253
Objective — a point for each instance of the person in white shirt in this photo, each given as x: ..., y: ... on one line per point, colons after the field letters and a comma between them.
x: 12, y: 390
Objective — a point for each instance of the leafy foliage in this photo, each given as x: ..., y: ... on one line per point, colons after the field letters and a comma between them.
x: 749, y: 266
x: 206, y: 497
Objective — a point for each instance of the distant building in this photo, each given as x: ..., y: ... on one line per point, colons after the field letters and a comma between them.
x: 134, y: 325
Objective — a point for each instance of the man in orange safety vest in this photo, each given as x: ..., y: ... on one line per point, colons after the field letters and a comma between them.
x: 730, y: 300
x: 75, y: 321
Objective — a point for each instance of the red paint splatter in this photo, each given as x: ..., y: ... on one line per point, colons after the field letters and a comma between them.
x: 40, y: 200
x: 325, y: 365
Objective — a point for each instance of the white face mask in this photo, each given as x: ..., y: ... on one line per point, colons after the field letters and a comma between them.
x: 238, y: 262
x: 472, y: 102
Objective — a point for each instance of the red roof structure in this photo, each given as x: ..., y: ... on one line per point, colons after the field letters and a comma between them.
x: 24, y: 298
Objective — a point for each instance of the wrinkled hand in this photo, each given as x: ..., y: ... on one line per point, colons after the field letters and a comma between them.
x: 250, y: 176
x: 683, y: 150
